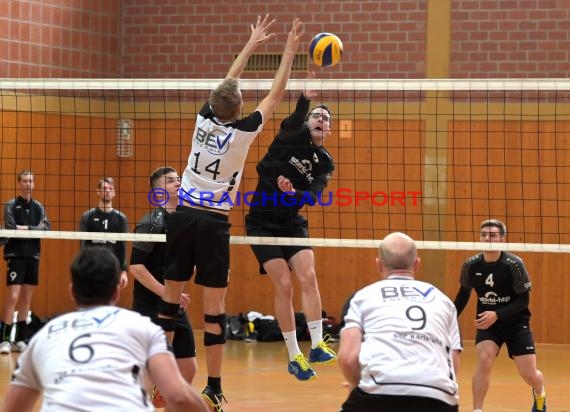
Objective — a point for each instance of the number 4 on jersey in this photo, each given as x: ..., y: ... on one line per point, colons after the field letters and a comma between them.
x: 489, y: 281
x: 212, y: 167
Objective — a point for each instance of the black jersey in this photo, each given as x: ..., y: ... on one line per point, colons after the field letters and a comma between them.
x: 497, y: 284
x: 114, y: 221
x: 150, y: 254
x: 19, y: 211
x: 293, y: 155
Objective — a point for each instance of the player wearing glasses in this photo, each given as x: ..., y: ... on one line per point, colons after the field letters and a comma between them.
x: 296, y: 163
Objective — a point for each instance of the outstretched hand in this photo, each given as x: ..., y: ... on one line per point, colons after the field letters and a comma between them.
x: 294, y: 36
x: 258, y: 35
x: 259, y: 31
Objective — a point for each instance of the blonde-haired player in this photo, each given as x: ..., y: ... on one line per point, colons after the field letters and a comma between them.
x: 197, y: 234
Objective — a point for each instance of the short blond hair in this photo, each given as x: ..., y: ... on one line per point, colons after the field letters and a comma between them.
x: 225, y: 99
x: 104, y: 180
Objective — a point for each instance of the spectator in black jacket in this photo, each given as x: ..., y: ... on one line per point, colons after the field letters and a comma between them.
x: 106, y: 219
x: 22, y: 256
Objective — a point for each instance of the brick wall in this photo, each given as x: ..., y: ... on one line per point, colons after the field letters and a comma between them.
x: 514, y: 38
x: 60, y: 38
x: 198, y: 39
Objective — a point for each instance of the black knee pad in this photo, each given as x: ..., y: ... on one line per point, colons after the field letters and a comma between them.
x: 167, y: 324
x: 211, y: 339
x: 167, y: 309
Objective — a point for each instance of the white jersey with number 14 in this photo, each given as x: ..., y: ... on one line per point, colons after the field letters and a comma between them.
x: 215, y: 164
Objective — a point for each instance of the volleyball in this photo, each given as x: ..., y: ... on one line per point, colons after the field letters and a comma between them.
x: 325, y: 49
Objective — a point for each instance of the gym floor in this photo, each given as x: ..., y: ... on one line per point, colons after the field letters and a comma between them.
x: 255, y: 379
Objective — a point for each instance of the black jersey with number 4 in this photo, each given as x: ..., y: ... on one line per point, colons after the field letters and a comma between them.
x: 497, y: 284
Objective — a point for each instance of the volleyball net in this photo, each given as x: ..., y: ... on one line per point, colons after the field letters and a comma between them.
x: 432, y: 158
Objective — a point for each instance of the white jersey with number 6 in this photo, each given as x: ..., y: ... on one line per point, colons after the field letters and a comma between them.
x: 409, y: 330
x: 91, y: 360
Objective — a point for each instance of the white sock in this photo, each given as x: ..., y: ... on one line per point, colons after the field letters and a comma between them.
x: 477, y: 410
x: 316, y: 331
x: 291, y: 343
x: 542, y: 393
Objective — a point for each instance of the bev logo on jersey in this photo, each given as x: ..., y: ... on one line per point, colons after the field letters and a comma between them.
x: 89, y: 320
x: 215, y: 163
x: 215, y: 142
x: 408, y: 291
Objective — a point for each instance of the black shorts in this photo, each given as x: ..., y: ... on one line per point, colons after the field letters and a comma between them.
x: 183, y: 344
x: 198, y: 239
x: 22, y: 271
x: 297, y: 227
x: 360, y: 401
x: 517, y: 337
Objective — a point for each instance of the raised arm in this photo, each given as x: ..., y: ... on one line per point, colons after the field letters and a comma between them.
x: 290, y: 125
x: 268, y: 104
x: 297, y: 118
x: 258, y: 36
